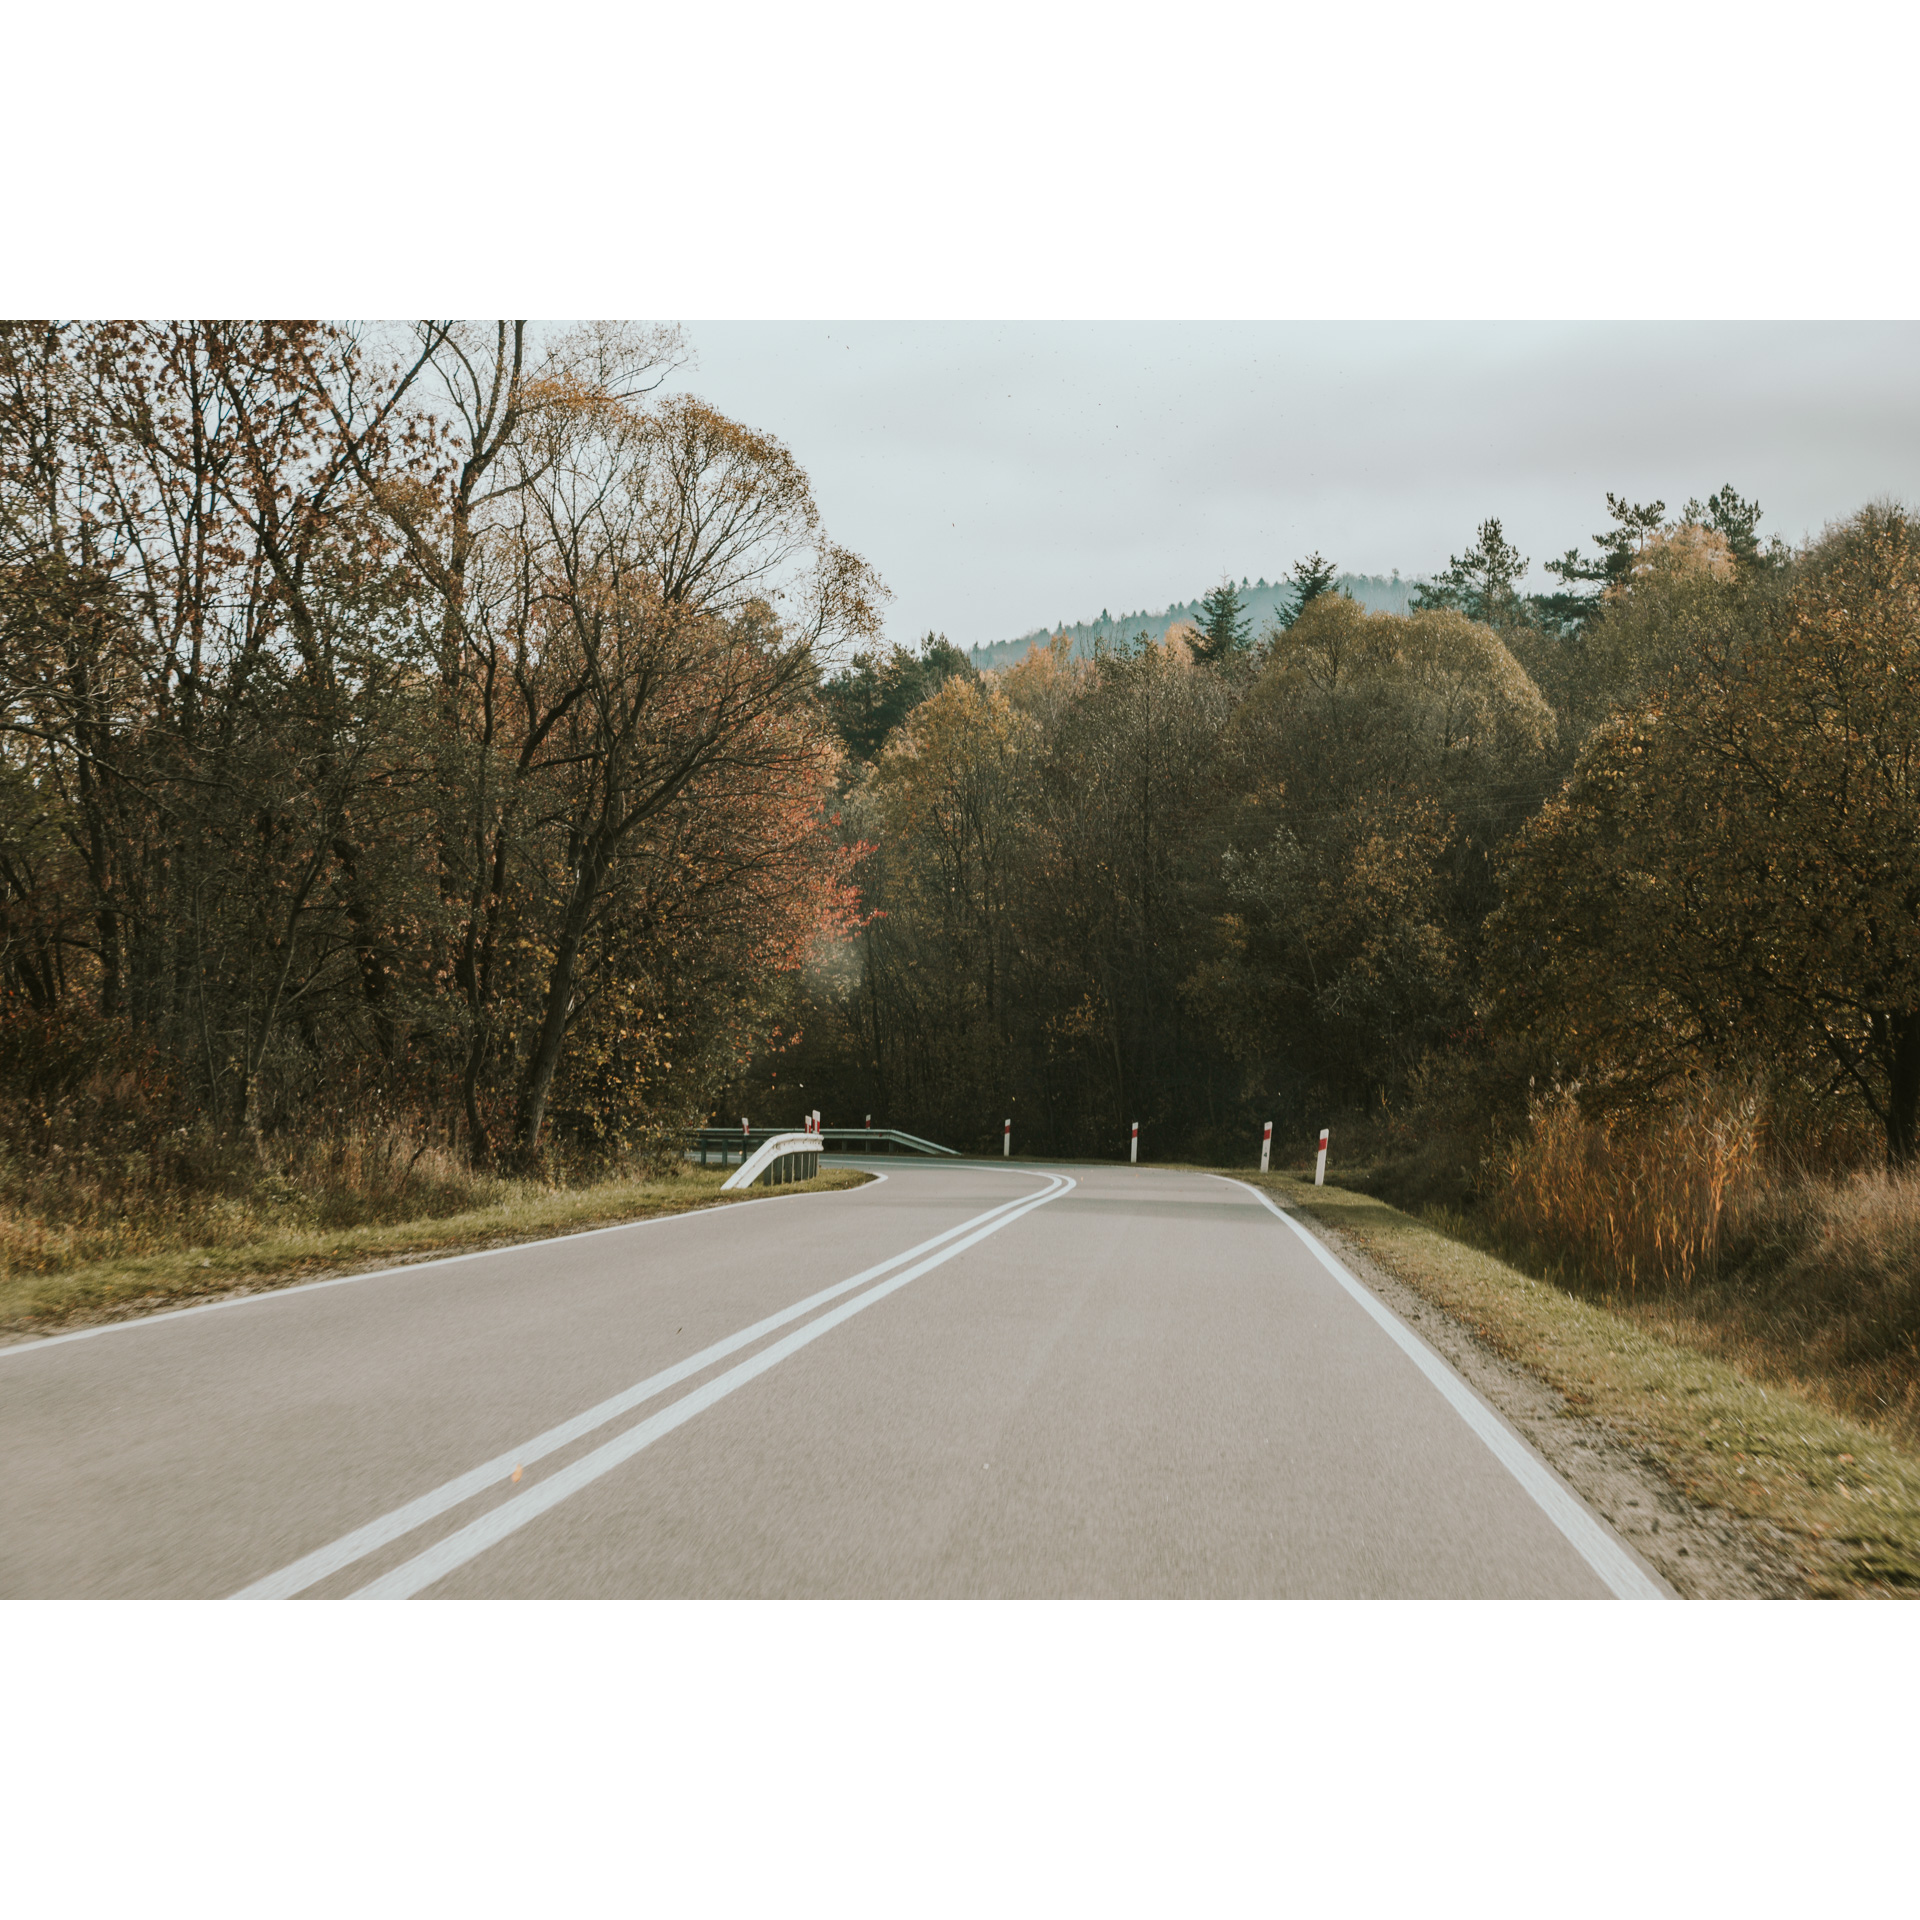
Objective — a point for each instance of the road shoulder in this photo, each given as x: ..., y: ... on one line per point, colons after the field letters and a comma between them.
x: 1728, y: 1488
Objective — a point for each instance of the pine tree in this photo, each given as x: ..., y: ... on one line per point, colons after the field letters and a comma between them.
x: 1737, y: 521
x: 1311, y: 578
x: 1482, y: 583
x: 1618, y: 545
x: 1223, y: 626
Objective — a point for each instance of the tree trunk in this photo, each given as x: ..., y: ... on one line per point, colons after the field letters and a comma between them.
x: 1903, y: 1090
x: 479, y: 1145
x: 553, y: 1025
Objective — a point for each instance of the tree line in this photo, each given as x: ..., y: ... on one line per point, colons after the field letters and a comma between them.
x: 1656, y: 823
x: 1261, y: 601
x: 424, y: 717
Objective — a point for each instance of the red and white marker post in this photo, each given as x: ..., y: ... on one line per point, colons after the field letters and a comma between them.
x: 1133, y: 1153
x: 1266, y: 1145
x: 1320, y: 1165
x: 1006, y: 1141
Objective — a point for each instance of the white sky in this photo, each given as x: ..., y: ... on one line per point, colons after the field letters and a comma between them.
x: 1003, y: 476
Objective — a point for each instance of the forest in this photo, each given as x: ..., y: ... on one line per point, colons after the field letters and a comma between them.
x: 1648, y: 827
x: 450, y: 753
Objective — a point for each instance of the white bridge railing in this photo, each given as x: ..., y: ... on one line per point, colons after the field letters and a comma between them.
x: 783, y: 1159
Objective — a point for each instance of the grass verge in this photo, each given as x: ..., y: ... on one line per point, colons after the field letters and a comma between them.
x: 41, y: 1303
x: 1847, y: 1497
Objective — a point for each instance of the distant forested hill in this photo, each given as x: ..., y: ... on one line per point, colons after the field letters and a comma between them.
x: 1262, y: 601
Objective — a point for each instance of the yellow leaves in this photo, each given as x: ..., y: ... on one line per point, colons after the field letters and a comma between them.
x: 1456, y: 686
x: 565, y: 390
x: 1045, y: 680
x: 1178, y: 643
x: 1682, y: 550
x: 955, y: 757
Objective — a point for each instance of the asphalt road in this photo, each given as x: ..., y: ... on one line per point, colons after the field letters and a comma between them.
x: 967, y: 1380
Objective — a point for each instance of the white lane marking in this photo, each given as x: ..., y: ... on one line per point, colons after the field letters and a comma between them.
x: 1594, y: 1542
x: 168, y: 1315
x: 452, y: 1553
x: 356, y: 1545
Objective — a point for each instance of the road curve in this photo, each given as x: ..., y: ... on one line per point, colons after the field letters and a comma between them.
x: 968, y: 1379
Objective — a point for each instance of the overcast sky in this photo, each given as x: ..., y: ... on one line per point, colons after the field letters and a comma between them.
x: 1008, y: 476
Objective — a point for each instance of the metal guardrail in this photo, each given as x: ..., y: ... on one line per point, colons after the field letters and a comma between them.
x: 724, y: 1144
x: 777, y: 1162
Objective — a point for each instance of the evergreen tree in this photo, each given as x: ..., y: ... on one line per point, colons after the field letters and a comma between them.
x: 1483, y: 582
x: 1571, y: 609
x: 1311, y: 578
x: 1737, y: 521
x: 877, y: 691
x: 1223, y: 626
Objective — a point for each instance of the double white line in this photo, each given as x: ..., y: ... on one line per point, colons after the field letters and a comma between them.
x: 441, y: 1559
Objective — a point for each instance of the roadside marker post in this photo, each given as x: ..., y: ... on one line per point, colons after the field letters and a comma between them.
x: 1133, y: 1153
x: 1320, y: 1165
x: 1266, y: 1145
x: 1006, y: 1141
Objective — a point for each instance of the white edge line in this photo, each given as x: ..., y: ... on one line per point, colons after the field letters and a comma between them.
x: 166, y: 1315
x: 316, y: 1566
x: 449, y: 1555
x: 1587, y: 1535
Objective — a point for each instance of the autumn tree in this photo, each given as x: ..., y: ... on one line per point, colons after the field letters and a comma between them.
x: 1730, y: 876
x: 1394, y: 753
x: 408, y: 712
x: 1132, y: 796
x: 204, y: 642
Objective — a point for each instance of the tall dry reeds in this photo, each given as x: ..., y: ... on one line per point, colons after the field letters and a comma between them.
x: 1825, y: 1274
x: 1623, y: 1210
x: 1708, y: 1213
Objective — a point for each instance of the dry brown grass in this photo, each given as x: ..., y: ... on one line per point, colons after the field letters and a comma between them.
x: 1626, y: 1209
x: 1818, y: 1283
x: 1705, y: 1221
x: 90, y: 1200
x: 93, y: 1230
